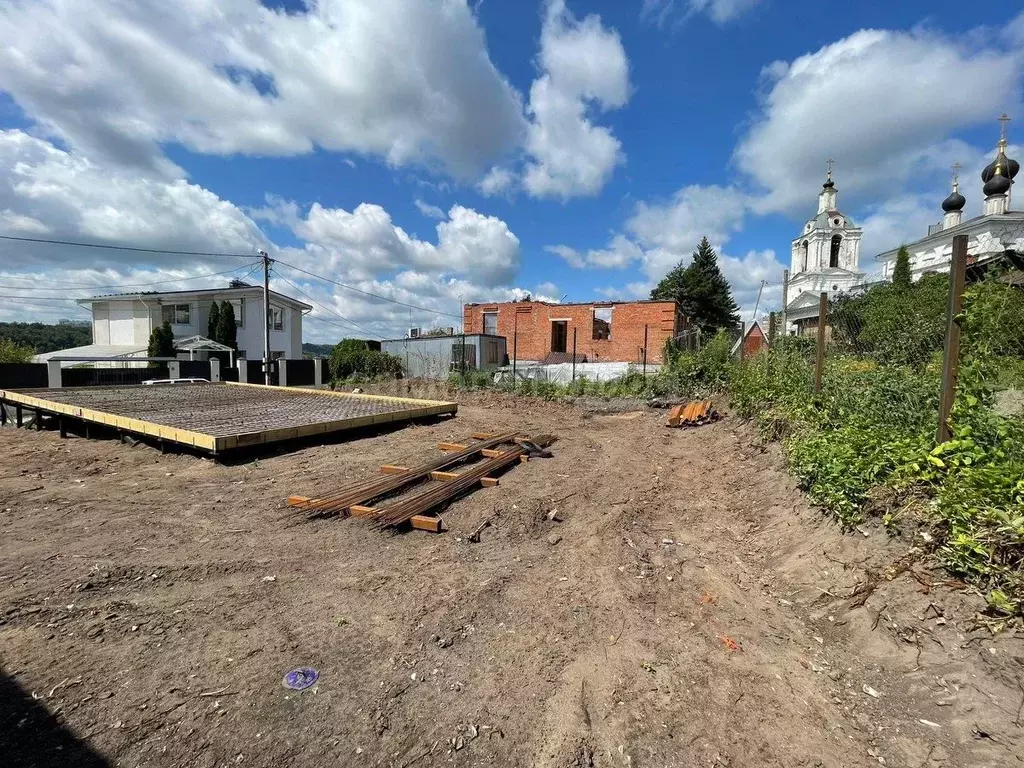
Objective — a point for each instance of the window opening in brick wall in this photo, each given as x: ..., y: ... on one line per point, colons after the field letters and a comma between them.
x: 491, y: 323
x: 559, y: 335
x: 602, y: 323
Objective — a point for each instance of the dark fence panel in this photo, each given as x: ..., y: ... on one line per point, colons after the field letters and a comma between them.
x: 194, y: 369
x: 255, y: 372
x: 23, y: 375
x: 111, y: 377
x: 301, y: 373
x: 229, y: 374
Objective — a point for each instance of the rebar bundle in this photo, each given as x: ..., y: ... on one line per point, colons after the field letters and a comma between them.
x: 340, y: 501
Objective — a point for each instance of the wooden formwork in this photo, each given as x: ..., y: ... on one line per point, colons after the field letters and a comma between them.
x: 221, y: 417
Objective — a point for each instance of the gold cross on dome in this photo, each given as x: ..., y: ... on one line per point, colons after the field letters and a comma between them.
x: 829, y: 163
x: 1004, y: 119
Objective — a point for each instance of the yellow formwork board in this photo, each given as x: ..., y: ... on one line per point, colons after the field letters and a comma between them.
x: 217, y: 444
x: 139, y: 426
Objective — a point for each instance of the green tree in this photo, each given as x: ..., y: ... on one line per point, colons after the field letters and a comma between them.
x: 213, y: 324
x: 11, y: 352
x: 345, y: 357
x: 161, y: 342
x: 227, y: 329
x: 701, y: 290
x: 901, y: 273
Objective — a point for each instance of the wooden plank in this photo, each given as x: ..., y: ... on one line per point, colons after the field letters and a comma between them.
x: 452, y: 446
x: 393, y: 469
x: 438, y: 475
x: 484, y: 435
x: 298, y: 501
x: 489, y: 482
x: 427, y: 523
x: 491, y: 453
x: 357, y: 510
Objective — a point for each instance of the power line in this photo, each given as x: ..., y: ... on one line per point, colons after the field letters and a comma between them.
x: 365, y: 293
x: 130, y: 285
x: 124, y: 247
x: 328, y: 309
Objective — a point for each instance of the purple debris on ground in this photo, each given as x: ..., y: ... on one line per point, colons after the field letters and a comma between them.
x: 301, y: 678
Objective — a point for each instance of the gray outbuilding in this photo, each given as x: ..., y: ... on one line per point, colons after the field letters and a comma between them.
x: 437, y: 357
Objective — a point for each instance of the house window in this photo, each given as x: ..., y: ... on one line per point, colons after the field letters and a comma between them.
x: 602, y: 323
x: 176, y: 314
x: 491, y: 323
x: 833, y: 259
x: 276, y: 319
x: 239, y: 307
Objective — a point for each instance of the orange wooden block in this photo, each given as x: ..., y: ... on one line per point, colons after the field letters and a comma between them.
x: 427, y: 523
x: 357, y: 510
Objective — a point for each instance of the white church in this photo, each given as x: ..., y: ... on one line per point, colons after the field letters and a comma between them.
x: 825, y: 258
x: 826, y: 255
x: 996, y: 235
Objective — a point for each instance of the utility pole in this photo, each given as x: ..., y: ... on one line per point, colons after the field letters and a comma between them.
x: 266, y: 317
x: 753, y: 317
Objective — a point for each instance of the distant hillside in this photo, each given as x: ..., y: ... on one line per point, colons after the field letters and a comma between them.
x: 316, y: 350
x: 47, y: 338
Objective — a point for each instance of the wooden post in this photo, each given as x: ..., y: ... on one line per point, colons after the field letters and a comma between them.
x: 819, y: 361
x: 771, y: 330
x: 574, y: 353
x: 785, y: 300
x: 645, y: 350
x: 951, y: 348
x: 743, y: 332
x: 18, y: 419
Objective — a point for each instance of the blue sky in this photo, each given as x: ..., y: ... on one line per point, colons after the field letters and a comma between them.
x: 430, y: 150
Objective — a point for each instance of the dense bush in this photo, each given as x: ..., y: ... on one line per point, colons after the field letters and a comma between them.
x: 10, y: 352
x: 871, y: 434
x: 352, y: 358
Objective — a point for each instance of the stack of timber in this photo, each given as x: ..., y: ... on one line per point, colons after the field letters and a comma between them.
x: 692, y: 414
x: 412, y: 508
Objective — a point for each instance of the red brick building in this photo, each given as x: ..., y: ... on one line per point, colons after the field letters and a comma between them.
x: 604, y: 331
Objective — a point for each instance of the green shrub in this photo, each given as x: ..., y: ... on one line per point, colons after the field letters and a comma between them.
x: 15, y: 353
x: 352, y: 357
x: 873, y: 427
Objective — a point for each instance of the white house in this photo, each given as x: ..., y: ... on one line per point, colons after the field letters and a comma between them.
x: 996, y: 233
x: 825, y: 258
x: 122, y: 323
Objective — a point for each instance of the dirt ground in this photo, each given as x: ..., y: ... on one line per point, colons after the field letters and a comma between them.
x: 686, y: 608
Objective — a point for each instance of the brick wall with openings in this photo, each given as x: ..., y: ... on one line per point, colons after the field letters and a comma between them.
x: 605, y: 332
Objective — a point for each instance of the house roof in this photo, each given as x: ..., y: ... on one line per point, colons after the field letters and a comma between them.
x: 963, y: 228
x: 237, y: 292
x: 93, y: 351
x: 746, y: 333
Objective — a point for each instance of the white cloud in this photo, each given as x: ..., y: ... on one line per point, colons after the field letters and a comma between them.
x: 620, y: 253
x: 428, y: 210
x: 719, y: 11
x: 881, y: 103
x: 409, y: 81
x: 583, y: 66
x: 367, y: 243
x: 497, y: 181
x: 44, y: 189
x: 671, y: 229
